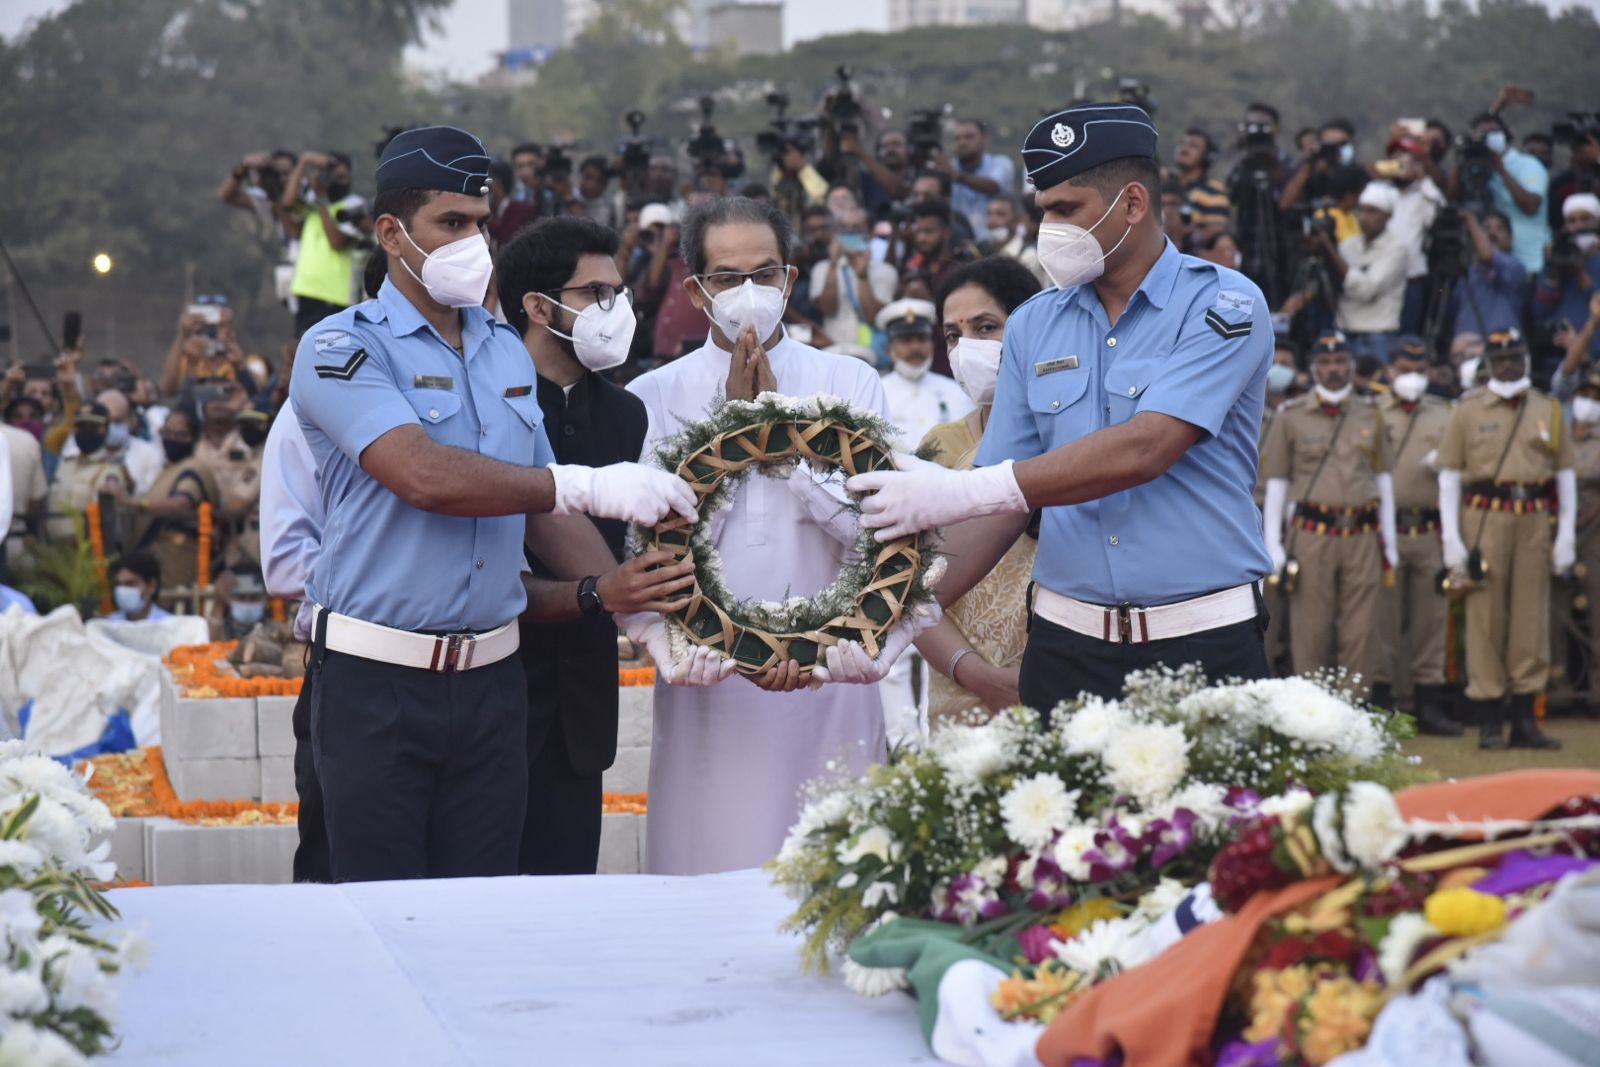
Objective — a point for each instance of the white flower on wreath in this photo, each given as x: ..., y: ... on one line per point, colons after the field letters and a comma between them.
x: 1287, y: 806
x: 969, y: 754
x: 1407, y: 931
x: 1374, y: 829
x: 873, y: 981
x: 824, y: 811
x: 1086, y: 731
x: 25, y: 1045
x: 19, y: 915
x: 1034, y: 809
x: 1304, y: 711
x: 21, y: 994
x: 1167, y: 895
x: 1205, y: 800
x: 1069, y: 850
x: 880, y: 893
x: 1325, y: 824
x: 874, y: 841
x: 1107, y: 947
x: 1147, y: 760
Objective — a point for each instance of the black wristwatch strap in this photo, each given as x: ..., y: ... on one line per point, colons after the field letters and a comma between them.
x: 589, y: 602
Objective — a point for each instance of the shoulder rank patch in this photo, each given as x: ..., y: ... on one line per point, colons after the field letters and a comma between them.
x: 330, y: 339
x: 1225, y: 329
x: 519, y: 390
x: 1233, y: 300
x: 346, y: 372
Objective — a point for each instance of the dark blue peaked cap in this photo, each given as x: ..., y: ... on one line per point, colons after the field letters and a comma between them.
x: 1066, y: 144
x: 435, y: 157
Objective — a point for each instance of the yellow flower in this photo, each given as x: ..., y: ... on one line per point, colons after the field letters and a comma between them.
x: 1462, y: 912
x: 1041, y: 997
x: 1338, y: 1017
x: 1082, y: 915
x: 1275, y: 994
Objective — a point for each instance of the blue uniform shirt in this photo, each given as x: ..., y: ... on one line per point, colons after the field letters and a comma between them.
x: 359, y: 374
x: 1193, y: 343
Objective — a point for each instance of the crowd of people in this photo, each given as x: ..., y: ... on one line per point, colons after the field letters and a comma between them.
x: 1448, y: 270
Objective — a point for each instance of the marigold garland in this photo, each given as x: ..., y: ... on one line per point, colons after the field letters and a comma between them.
x: 97, y: 550
x: 203, y: 548
x: 196, y: 668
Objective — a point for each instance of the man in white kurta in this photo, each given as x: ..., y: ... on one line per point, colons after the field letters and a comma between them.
x: 728, y: 761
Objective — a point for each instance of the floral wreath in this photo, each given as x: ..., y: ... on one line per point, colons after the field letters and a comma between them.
x: 878, y: 583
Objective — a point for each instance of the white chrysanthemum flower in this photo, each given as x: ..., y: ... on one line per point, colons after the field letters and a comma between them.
x: 1205, y: 800
x: 1374, y: 829
x: 1036, y: 808
x: 873, y: 981
x: 1407, y: 931
x: 25, y: 1045
x: 19, y: 915
x: 1167, y: 894
x: 1287, y: 806
x: 969, y: 754
x: 1147, y: 761
x: 1325, y: 823
x: 21, y: 994
x: 827, y: 810
x: 1069, y: 850
x: 1107, y: 947
x: 1086, y: 731
x: 1302, y: 710
x: 880, y: 893
x: 992, y: 870
x: 873, y: 841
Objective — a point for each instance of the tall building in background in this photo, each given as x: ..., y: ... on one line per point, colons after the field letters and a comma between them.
x: 906, y: 14
x: 752, y: 29
x: 546, y: 25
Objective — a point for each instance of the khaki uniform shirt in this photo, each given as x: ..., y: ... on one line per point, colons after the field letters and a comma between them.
x: 1586, y: 452
x: 1416, y: 485
x: 1302, y: 435
x: 78, y: 481
x: 1481, y: 426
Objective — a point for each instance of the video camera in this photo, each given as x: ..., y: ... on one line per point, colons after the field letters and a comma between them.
x: 926, y: 135
x: 1135, y: 91
x: 841, y: 107
x: 1474, y: 146
x: 707, y: 148
x: 634, y: 155
x: 1566, y: 259
x: 783, y: 130
x: 1447, y: 242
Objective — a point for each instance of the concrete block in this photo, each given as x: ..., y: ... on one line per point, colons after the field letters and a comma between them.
x: 215, y: 779
x: 630, y: 773
x: 127, y: 849
x: 275, y: 726
x: 619, y: 844
x: 644, y: 835
x: 221, y: 728
x: 277, y: 779
x: 634, y: 709
x: 186, y: 854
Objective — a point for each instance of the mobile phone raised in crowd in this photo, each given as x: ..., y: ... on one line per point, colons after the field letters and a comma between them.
x: 71, y: 329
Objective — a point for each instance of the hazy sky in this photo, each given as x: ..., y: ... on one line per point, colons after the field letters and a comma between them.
x: 474, y: 30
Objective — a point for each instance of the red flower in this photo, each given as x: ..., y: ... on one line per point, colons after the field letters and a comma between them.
x: 1285, y: 954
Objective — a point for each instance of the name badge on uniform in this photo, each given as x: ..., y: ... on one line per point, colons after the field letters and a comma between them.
x: 433, y: 381
x: 519, y: 390
x: 1050, y: 366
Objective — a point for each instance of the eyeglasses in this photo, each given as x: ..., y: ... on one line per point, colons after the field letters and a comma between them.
x: 722, y: 281
x: 604, y: 293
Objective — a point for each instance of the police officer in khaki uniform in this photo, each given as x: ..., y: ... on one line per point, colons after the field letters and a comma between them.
x: 1415, y: 614
x: 1280, y: 379
x: 1505, y: 465
x: 166, y: 523
x: 1586, y: 450
x: 238, y: 475
x: 1327, y: 449
x: 80, y: 479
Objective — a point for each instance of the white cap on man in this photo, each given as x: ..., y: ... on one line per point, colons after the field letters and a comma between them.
x: 1380, y: 195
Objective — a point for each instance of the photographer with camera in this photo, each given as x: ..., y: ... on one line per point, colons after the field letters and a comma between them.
x: 1571, y: 268
x: 1206, y: 196
x: 1489, y: 171
x: 1254, y: 187
x: 975, y: 173
x: 256, y: 185
x: 1490, y: 297
x: 795, y: 183
x: 1582, y: 138
x: 1372, y: 268
x: 1312, y: 176
x: 334, y: 221
x: 883, y: 176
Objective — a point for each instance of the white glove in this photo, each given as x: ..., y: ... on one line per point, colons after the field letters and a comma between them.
x: 1564, y: 553
x: 1431, y: 460
x: 1391, y: 555
x: 848, y: 662
x: 631, y: 492
x: 1455, y: 554
x: 1272, y: 513
x: 922, y: 495
x: 1280, y: 559
x: 703, y: 666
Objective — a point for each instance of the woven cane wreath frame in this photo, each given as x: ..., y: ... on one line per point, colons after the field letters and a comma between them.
x: 764, y: 434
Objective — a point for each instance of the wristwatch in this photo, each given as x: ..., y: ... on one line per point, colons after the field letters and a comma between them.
x: 589, y: 601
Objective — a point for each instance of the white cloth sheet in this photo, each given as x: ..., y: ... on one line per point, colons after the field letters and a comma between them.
x: 641, y: 970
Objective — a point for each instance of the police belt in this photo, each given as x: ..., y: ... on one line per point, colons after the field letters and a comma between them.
x: 1326, y: 520
x: 441, y: 653
x: 1509, y: 496
x: 1416, y: 520
x: 1129, y: 625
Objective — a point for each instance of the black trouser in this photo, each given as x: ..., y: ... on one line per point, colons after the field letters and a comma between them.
x: 424, y: 774
x: 1058, y: 664
x: 561, y: 831
x: 308, y: 312
x: 311, y: 855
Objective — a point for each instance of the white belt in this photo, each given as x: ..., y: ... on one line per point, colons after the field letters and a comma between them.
x: 1128, y: 625
x: 449, y: 652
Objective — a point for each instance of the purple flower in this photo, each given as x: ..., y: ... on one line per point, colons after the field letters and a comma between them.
x: 1169, y: 837
x: 1036, y: 942
x: 968, y: 899
x: 1245, y: 803
x: 1050, y: 885
x: 1240, y: 1053
x: 1111, y: 854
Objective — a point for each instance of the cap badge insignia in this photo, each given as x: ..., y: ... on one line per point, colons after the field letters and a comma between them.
x: 1062, y: 136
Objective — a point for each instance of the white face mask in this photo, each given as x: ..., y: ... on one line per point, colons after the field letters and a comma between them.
x: 999, y: 235
x: 1586, y: 242
x: 1509, y: 390
x: 1495, y: 142
x: 457, y: 274
x: 1585, y: 410
x: 1070, y: 255
x: 755, y: 305
x: 1333, y: 396
x: 975, y: 363
x: 117, y: 435
x: 246, y: 614
x: 601, y: 339
x: 912, y: 371
x: 129, y: 598
x: 1410, y: 387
